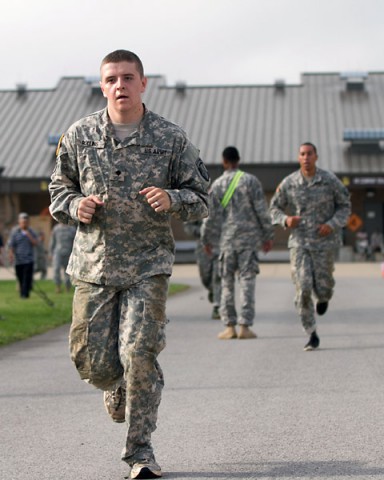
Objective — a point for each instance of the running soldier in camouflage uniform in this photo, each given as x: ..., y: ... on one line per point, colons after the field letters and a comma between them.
x: 120, y: 174
x: 245, y: 227
x: 60, y: 248
x: 315, y: 205
x: 208, y: 266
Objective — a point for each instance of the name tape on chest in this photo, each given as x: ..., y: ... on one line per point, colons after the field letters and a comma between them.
x: 154, y: 151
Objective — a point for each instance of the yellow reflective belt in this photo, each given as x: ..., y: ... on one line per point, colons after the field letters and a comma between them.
x: 231, y: 188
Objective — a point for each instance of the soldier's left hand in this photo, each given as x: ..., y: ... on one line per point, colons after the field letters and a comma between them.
x: 267, y: 246
x: 325, y: 230
x: 157, y: 198
x: 208, y: 249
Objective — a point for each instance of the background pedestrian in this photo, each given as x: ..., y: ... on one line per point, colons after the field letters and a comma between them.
x: 21, y: 243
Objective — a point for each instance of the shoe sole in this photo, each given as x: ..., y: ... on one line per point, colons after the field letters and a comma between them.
x: 146, y: 473
x: 118, y: 420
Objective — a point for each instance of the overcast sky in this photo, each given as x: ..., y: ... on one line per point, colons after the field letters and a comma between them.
x: 201, y: 42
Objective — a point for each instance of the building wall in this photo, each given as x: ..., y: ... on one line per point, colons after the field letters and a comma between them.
x: 367, y: 204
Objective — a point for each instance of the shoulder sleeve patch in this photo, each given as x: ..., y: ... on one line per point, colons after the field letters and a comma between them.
x: 202, y: 169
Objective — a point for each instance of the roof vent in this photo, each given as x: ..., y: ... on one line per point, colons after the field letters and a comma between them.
x: 181, y: 88
x: 354, y: 81
x: 21, y: 89
x: 280, y: 84
x: 94, y: 82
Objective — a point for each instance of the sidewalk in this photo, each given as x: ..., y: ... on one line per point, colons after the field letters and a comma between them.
x: 354, y: 269
x: 282, y: 270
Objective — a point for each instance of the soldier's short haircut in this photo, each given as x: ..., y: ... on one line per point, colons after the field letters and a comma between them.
x: 231, y: 154
x: 124, y: 56
x: 309, y: 144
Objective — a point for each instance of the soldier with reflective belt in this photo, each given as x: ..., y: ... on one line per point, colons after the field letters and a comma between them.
x: 239, y: 217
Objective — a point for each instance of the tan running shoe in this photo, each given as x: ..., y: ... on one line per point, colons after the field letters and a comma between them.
x: 145, y: 469
x: 114, y: 401
x: 245, y: 332
x: 228, y: 333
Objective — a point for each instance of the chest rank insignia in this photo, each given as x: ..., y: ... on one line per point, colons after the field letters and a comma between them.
x: 88, y: 143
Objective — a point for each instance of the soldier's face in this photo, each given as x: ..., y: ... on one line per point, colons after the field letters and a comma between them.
x: 307, y: 160
x: 122, y: 86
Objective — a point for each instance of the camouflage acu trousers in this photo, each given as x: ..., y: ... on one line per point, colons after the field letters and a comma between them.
x: 204, y: 263
x: 216, y: 280
x: 115, y: 337
x: 209, y: 272
x: 245, y: 265
x: 312, y: 273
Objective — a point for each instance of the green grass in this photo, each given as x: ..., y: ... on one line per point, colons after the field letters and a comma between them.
x: 23, y: 318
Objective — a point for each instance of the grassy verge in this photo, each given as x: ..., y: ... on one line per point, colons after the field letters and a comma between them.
x: 23, y: 318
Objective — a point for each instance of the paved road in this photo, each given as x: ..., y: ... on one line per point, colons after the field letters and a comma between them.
x: 239, y: 409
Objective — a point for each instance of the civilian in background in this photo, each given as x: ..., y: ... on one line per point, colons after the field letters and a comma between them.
x: 21, y: 243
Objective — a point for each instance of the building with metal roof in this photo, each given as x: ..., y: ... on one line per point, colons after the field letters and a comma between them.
x: 341, y: 113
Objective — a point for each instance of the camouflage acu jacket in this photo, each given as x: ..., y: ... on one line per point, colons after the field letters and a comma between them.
x: 127, y: 240
x: 245, y: 222
x: 324, y: 199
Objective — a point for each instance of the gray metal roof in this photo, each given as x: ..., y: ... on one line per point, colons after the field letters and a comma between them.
x: 266, y: 122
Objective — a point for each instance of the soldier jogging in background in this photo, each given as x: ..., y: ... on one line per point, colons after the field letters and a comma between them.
x: 238, y: 214
x: 314, y: 205
x: 207, y: 265
x: 120, y: 175
x: 41, y: 263
x: 60, y: 248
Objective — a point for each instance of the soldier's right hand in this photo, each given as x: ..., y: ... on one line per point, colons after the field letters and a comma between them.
x: 87, y: 208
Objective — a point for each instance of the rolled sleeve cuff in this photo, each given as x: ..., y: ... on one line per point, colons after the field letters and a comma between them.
x: 283, y: 222
x: 175, y: 201
x: 73, y: 208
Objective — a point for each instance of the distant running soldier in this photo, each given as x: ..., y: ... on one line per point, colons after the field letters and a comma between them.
x: 60, y: 248
x: 315, y: 205
x: 207, y: 265
x: 40, y: 263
